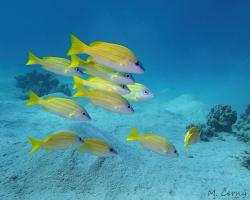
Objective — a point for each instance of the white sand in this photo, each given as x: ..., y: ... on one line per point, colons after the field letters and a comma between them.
x: 135, y: 174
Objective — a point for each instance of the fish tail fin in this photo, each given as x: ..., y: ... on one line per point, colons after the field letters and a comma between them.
x: 78, y: 82
x: 36, y: 144
x: 79, y: 86
x: 80, y: 92
x: 186, y: 145
x: 33, y: 59
x: 33, y: 99
x: 77, y: 46
x: 76, y: 61
x: 134, y: 134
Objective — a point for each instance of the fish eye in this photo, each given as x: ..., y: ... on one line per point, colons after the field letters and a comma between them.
x: 123, y: 86
x: 146, y: 92
x: 83, y: 113
x: 129, y: 106
x: 175, y: 151
x: 77, y: 69
x: 112, y: 150
x: 128, y: 75
x: 137, y: 63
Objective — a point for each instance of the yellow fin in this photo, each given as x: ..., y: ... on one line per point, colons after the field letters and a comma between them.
x: 186, y: 145
x: 78, y: 82
x: 134, y: 134
x: 36, y: 144
x: 33, y: 59
x: 33, y: 99
x: 80, y: 92
x: 76, y: 61
x: 186, y: 140
x: 77, y: 46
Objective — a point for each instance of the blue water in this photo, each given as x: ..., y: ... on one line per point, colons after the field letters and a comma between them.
x: 194, y: 47
x: 189, y: 46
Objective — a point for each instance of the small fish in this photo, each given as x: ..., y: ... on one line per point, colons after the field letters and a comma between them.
x: 95, y: 70
x: 108, y: 100
x: 55, y: 64
x: 61, y: 106
x: 192, y: 136
x: 97, y: 147
x: 109, y: 55
x: 101, y: 84
x: 56, y: 141
x: 154, y: 143
x: 138, y: 92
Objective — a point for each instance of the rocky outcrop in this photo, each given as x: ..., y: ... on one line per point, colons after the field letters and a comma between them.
x: 41, y: 83
x: 220, y: 119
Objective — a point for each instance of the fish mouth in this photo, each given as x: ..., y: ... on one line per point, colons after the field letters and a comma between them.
x: 87, y: 118
x: 132, y: 109
x: 151, y: 96
x: 141, y: 69
x: 132, y: 79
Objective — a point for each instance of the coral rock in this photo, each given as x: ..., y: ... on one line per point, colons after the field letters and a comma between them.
x: 222, y: 117
x: 242, y: 127
x: 41, y: 83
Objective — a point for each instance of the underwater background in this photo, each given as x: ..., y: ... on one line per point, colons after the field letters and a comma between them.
x: 196, y: 55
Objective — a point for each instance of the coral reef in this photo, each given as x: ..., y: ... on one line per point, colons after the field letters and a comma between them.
x: 220, y: 118
x: 242, y: 127
x: 206, y: 131
x: 246, y: 161
x: 41, y: 83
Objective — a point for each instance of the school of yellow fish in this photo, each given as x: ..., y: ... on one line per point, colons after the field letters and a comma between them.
x: 110, y: 85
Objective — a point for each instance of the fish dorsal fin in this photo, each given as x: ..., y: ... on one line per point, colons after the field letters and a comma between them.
x: 56, y: 59
x: 47, y: 138
x: 97, y: 79
x: 150, y: 135
x: 112, y: 45
x: 97, y: 43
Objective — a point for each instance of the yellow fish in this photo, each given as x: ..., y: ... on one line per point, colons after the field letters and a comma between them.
x: 55, y: 64
x: 108, y: 100
x: 95, y: 70
x: 192, y: 136
x: 110, y: 55
x: 56, y: 141
x: 101, y: 84
x: 97, y: 147
x: 61, y: 106
x: 155, y: 143
x: 138, y: 92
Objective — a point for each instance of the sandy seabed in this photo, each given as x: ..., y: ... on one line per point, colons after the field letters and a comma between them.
x: 210, y: 170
